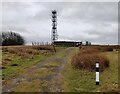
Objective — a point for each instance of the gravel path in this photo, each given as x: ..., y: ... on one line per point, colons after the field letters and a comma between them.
x: 54, y: 81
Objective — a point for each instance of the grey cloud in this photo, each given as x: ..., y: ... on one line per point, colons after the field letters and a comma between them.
x: 76, y: 21
x: 92, y: 12
x: 99, y: 39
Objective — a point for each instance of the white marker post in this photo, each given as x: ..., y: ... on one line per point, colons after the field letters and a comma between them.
x: 97, y: 73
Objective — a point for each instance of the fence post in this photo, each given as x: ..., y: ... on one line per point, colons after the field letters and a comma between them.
x: 97, y: 73
x: 54, y: 47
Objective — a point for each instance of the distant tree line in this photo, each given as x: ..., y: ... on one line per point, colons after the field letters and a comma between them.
x: 11, y: 38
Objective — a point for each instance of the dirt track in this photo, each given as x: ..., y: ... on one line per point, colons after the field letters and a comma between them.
x: 53, y: 80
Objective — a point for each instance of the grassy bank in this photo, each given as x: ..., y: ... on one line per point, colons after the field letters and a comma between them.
x: 23, y: 64
x: 18, y: 60
x: 84, y: 80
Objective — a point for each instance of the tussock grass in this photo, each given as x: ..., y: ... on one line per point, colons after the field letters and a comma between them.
x: 86, y: 59
x: 88, y: 51
x: 24, y: 57
x: 27, y: 51
x: 102, y: 48
x: 84, y: 80
x: 43, y: 48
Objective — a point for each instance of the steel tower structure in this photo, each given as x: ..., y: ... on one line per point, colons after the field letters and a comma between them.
x: 54, y: 35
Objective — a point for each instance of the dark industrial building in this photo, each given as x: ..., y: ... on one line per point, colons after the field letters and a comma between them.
x: 68, y: 43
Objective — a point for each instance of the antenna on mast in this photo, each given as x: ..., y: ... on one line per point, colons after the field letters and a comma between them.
x: 54, y: 35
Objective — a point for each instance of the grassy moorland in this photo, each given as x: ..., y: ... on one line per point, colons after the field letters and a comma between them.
x: 17, y: 60
x: 38, y: 77
x: 84, y: 80
x: 40, y: 69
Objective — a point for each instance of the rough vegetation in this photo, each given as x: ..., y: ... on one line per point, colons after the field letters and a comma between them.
x: 87, y: 58
x: 85, y: 81
x: 55, y: 72
x: 18, y: 58
x: 27, y: 51
x: 101, y: 48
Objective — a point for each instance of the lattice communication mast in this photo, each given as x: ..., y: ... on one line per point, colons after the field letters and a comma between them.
x: 54, y: 35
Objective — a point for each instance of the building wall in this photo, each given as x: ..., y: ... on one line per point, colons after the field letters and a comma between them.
x: 67, y: 43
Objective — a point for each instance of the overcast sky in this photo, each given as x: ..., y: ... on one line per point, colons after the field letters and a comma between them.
x: 95, y: 22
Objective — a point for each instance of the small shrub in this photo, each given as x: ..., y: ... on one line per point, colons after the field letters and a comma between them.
x: 84, y: 60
